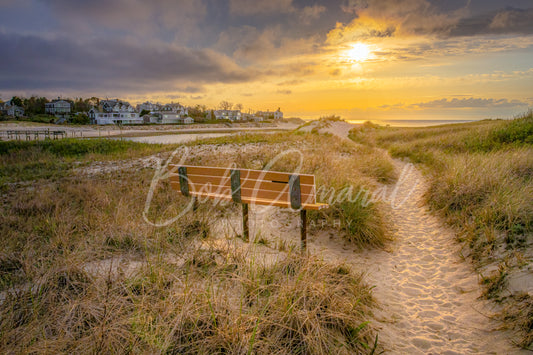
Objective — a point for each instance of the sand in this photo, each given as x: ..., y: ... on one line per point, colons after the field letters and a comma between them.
x: 338, y: 128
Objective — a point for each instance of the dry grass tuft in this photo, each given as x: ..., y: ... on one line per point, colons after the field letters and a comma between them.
x: 519, y: 313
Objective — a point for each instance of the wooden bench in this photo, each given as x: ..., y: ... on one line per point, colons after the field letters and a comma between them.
x: 254, y: 187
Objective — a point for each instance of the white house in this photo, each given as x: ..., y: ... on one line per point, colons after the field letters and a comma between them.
x: 102, y: 118
x: 114, y: 112
x: 175, y: 108
x: 171, y: 117
x: 232, y: 115
x: 9, y: 109
x: 174, y: 117
x: 277, y: 115
x: 148, y: 106
x: 57, y: 107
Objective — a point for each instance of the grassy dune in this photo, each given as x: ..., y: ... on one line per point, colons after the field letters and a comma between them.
x: 81, y: 272
x: 481, y: 182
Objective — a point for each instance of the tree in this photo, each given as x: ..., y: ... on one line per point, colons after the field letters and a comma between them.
x: 144, y: 112
x: 16, y: 101
x: 225, y: 105
x: 197, y: 113
x: 94, y: 101
x: 34, y: 105
x: 80, y: 119
x: 238, y: 107
x: 81, y: 105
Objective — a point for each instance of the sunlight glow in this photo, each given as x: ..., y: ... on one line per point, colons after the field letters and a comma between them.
x: 358, y: 52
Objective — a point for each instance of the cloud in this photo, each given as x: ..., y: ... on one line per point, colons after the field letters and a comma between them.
x: 311, y: 13
x: 505, y: 21
x: 404, y: 18
x: 305, y: 15
x: 377, y: 18
x: 253, y: 7
x: 107, y: 64
x: 470, y: 103
x: 130, y: 17
x: 457, y: 46
x: 462, y: 103
x: 291, y: 82
x: 284, y: 92
x: 250, y: 45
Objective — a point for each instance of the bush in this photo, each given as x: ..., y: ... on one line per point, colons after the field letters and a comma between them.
x: 80, y: 119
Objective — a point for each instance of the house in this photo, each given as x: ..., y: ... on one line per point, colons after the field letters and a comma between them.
x: 57, y: 107
x: 114, y: 112
x: 101, y: 118
x: 175, y: 108
x: 277, y: 115
x: 171, y: 117
x: 115, y: 106
x: 174, y: 117
x: 148, y: 106
x: 232, y: 115
x: 9, y: 109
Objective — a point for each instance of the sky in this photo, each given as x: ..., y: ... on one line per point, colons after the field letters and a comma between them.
x: 359, y: 59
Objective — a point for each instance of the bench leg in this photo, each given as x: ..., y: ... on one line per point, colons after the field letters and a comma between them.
x: 245, y: 230
x: 303, y: 229
x: 194, y: 204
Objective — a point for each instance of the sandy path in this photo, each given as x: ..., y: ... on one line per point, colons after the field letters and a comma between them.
x: 428, y: 293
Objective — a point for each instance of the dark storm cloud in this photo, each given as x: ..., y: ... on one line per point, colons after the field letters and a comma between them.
x: 35, y: 62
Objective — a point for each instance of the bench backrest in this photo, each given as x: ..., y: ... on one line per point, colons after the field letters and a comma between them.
x: 258, y: 187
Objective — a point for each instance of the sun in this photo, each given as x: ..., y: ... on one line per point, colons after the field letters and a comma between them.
x: 358, y: 52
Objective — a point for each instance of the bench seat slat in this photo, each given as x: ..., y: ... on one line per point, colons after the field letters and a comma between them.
x: 305, y: 179
x: 225, y: 179
x: 245, y: 192
x: 199, y: 181
x: 265, y: 202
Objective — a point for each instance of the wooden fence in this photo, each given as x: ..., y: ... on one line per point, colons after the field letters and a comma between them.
x: 39, y: 134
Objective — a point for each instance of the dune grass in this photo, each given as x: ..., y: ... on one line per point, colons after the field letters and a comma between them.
x: 481, y: 182
x: 81, y: 271
x: 47, y: 159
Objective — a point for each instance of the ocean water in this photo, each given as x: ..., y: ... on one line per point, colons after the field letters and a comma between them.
x: 411, y: 123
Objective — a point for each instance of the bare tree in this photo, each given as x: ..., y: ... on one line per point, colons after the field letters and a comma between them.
x: 238, y: 107
x: 225, y: 105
